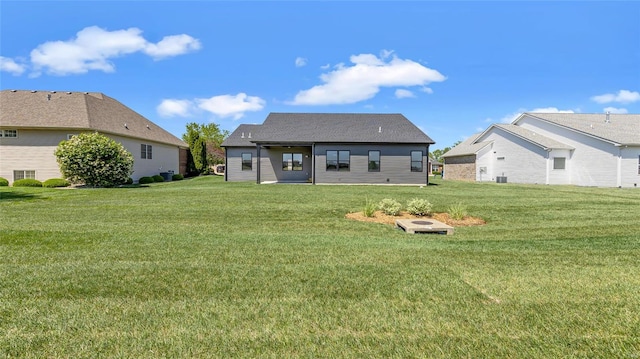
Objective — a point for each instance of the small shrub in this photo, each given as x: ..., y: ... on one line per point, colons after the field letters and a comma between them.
x: 145, y: 180
x: 27, y: 182
x: 436, y: 173
x: 457, y: 211
x: 177, y: 177
x: 158, y: 178
x: 129, y: 181
x: 419, y: 207
x: 369, y: 208
x: 390, y: 206
x: 55, y: 182
x: 3, y: 182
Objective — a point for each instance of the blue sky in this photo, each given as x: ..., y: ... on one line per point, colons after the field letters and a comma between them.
x: 452, y: 68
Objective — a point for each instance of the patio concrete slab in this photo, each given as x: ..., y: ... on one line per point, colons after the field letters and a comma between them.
x: 426, y: 225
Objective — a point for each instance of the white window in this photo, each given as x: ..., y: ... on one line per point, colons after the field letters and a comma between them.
x: 146, y: 151
x: 9, y: 133
x: 22, y: 174
x: 559, y: 163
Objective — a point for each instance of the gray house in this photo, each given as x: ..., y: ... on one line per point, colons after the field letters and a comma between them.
x: 323, y: 148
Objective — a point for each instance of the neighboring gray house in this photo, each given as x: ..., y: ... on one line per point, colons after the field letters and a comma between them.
x: 32, y: 124
x: 553, y: 148
x: 324, y: 148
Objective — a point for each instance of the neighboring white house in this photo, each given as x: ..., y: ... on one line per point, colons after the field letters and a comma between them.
x: 32, y: 124
x: 600, y: 150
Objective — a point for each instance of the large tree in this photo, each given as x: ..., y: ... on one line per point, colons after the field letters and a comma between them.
x: 95, y: 160
x: 204, y: 146
x: 437, y: 154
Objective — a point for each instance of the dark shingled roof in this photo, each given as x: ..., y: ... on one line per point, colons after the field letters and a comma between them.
x: 329, y: 128
x: 78, y: 111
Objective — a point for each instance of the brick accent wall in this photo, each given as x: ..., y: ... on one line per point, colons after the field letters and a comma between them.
x: 460, y: 168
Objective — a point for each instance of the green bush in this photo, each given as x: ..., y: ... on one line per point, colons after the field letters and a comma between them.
x: 145, y: 180
x: 177, y: 177
x: 129, y: 181
x: 55, y: 182
x: 158, y: 178
x: 369, y: 208
x: 27, y: 182
x: 390, y: 206
x: 94, y: 159
x: 3, y: 182
x: 457, y: 211
x: 419, y: 207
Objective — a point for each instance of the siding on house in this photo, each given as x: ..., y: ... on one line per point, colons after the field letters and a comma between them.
x: 510, y: 154
x: 233, y: 168
x: 34, y: 150
x: 31, y: 150
x: 583, y: 169
x: 395, y: 165
x: 629, y: 167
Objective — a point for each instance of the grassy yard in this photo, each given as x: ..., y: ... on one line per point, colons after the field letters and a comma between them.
x: 204, y: 268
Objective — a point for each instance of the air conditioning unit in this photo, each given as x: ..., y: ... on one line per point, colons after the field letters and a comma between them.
x: 501, y: 179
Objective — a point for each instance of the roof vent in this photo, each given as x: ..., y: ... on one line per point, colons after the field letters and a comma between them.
x: 242, y: 135
x: 249, y: 134
x: 33, y: 91
x: 125, y: 126
x: 52, y: 91
x: 49, y: 97
x: 380, y: 129
x: 68, y: 92
x: 13, y: 90
x: 148, y: 127
x: 607, y: 119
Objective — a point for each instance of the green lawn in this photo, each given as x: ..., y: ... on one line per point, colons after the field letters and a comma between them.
x: 203, y: 268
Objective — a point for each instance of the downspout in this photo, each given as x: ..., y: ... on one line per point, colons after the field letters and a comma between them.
x: 619, y: 171
x: 547, y: 166
x: 258, y: 163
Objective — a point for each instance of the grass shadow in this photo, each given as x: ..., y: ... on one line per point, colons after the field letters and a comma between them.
x: 17, y: 196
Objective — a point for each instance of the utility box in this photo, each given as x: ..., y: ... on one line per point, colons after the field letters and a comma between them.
x: 167, y: 176
x: 501, y: 179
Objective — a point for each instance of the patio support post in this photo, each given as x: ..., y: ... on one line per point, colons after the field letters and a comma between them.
x: 313, y: 163
x: 258, y: 163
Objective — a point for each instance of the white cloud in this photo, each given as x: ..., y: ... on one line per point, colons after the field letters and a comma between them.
x: 301, y: 61
x: 221, y: 106
x: 623, y: 96
x: 427, y: 90
x: 325, y: 67
x: 171, y: 108
x: 93, y: 48
x: 513, y: 116
x: 402, y: 93
x: 11, y: 66
x: 615, y: 110
x: 172, y: 46
x: 231, y: 106
x: 363, y: 80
